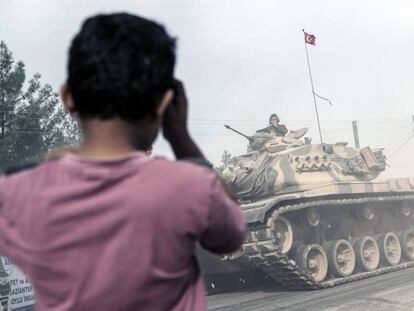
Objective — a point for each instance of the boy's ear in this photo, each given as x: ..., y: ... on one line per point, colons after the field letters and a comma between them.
x: 165, y: 102
x: 67, y: 100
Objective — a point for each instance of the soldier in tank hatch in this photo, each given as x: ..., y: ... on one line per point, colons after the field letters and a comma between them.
x: 275, y: 128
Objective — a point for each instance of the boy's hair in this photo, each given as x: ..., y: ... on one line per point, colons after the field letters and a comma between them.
x: 119, y: 66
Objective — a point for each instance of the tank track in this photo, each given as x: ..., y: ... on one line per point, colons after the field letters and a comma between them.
x: 261, y: 252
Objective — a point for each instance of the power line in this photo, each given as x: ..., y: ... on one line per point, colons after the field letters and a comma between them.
x: 402, y: 145
x: 290, y: 120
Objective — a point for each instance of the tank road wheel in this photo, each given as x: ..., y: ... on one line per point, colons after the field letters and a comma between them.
x: 312, y: 259
x: 407, y: 244
x: 341, y: 257
x: 365, y: 213
x: 404, y: 210
x: 283, y: 232
x: 390, y: 249
x: 367, y: 253
x: 310, y: 217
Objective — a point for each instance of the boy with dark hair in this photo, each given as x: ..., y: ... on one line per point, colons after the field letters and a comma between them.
x: 106, y: 227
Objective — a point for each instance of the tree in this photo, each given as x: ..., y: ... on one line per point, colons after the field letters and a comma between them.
x: 226, y: 159
x: 32, y: 120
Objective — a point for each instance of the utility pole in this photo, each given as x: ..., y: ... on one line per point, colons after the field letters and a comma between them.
x: 356, y: 136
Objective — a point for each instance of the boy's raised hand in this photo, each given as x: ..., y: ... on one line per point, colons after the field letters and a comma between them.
x: 175, y: 125
x: 175, y: 117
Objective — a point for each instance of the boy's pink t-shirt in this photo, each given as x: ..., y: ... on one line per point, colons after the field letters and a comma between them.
x: 116, y: 235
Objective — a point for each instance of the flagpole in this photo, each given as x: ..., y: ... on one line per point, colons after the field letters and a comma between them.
x: 313, y: 92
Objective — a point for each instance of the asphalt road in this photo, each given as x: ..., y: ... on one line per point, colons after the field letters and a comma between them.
x: 389, y: 292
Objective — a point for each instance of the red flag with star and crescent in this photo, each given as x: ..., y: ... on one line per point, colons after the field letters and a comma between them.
x: 309, y: 39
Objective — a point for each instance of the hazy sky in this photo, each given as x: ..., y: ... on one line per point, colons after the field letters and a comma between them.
x: 243, y: 60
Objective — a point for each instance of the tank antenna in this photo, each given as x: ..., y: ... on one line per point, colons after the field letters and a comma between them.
x: 310, y: 39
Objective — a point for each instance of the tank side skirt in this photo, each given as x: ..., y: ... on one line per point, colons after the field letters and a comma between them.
x: 263, y: 253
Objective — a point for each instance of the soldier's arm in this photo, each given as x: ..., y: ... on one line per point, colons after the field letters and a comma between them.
x: 283, y: 129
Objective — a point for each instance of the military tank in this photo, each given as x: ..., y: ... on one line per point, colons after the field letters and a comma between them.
x: 316, y: 215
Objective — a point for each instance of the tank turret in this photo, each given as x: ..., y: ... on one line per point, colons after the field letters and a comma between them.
x: 275, y: 165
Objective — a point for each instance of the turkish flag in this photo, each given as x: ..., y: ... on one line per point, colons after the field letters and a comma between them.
x: 309, y: 39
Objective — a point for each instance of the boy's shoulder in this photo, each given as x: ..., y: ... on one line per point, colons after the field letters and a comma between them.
x: 184, y: 173
x: 187, y: 178
x: 187, y: 168
x: 187, y: 171
x: 28, y: 172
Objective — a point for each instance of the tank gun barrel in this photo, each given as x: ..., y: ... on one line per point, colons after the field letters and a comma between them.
x: 236, y: 131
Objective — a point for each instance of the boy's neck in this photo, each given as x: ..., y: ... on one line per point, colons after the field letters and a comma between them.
x: 109, y: 139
